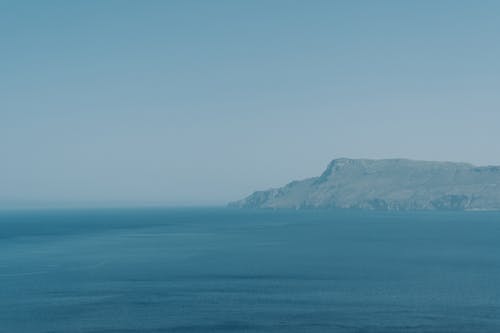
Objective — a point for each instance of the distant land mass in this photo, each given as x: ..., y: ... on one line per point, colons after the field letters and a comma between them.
x: 387, y: 184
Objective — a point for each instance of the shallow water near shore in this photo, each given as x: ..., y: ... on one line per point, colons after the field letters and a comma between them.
x: 229, y: 270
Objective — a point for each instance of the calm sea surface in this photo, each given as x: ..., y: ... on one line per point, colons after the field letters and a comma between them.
x: 224, y: 270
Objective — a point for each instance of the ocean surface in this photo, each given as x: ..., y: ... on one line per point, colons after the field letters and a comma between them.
x: 229, y: 270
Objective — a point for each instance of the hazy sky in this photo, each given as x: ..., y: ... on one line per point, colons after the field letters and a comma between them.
x: 201, y: 102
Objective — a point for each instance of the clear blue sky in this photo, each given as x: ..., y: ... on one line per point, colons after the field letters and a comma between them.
x: 201, y: 102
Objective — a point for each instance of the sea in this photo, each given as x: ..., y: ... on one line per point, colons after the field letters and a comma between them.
x: 152, y: 270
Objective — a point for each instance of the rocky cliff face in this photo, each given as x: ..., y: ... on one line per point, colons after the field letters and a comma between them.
x: 392, y: 184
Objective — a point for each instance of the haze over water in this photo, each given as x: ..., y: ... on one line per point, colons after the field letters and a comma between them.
x: 203, y: 102
x: 223, y: 270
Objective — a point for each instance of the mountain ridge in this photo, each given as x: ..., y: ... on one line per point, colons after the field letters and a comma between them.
x: 387, y: 184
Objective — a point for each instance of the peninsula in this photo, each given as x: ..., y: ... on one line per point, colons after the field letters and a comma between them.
x: 387, y: 184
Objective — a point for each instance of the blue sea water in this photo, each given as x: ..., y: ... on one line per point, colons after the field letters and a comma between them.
x: 225, y: 270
